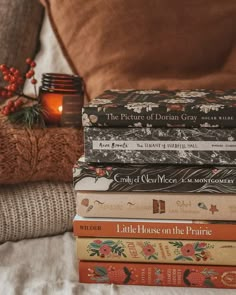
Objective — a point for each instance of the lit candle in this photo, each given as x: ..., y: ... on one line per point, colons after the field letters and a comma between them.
x: 54, y: 88
x: 60, y: 109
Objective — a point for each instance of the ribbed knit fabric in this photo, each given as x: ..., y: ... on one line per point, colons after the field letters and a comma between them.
x: 35, y: 209
x: 38, y: 154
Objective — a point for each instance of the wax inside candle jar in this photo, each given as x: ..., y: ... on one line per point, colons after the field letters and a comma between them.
x: 52, y: 106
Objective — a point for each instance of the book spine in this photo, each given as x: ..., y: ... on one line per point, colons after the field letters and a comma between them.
x: 157, y: 274
x: 164, y: 109
x: 159, y: 145
x: 156, y: 205
x: 159, y: 178
x: 157, y: 250
x: 152, y: 230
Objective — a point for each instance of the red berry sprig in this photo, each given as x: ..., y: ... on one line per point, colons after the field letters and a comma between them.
x: 30, y: 74
x: 12, y: 106
x: 14, y: 79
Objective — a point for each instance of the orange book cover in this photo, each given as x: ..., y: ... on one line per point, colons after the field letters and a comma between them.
x: 153, y: 228
x: 157, y: 274
x: 157, y: 251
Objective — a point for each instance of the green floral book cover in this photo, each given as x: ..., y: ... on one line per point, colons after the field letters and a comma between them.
x: 158, y: 251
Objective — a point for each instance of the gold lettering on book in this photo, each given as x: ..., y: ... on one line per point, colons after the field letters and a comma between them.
x: 162, y: 250
x: 229, y: 278
x: 132, y: 249
x: 197, y: 232
x: 183, y: 204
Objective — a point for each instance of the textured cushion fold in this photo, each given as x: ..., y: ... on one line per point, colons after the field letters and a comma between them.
x: 35, y: 209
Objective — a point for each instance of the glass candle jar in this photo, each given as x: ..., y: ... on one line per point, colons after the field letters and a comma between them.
x: 61, y: 97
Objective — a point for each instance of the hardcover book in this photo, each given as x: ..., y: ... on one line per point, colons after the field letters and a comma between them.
x: 162, y: 108
x: 153, y: 178
x: 153, y: 228
x: 158, y: 274
x: 161, y: 145
x: 157, y: 251
x: 156, y: 205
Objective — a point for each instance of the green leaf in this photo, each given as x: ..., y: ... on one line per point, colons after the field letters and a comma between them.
x: 93, y: 254
x: 211, y: 272
x: 127, y: 279
x: 123, y: 254
x: 152, y: 257
x: 181, y: 257
x: 108, y: 242
x: 100, y: 270
x: 209, y: 283
x: 188, y: 258
x: 196, y: 245
x: 94, y: 250
x: 176, y: 244
x: 94, y: 245
x: 126, y: 270
x: 29, y: 116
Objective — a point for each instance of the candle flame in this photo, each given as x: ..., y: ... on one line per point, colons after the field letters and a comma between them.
x: 60, y: 109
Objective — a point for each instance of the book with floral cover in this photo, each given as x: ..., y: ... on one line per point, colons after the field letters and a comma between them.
x: 162, y: 108
x: 157, y: 250
x: 153, y: 178
x: 158, y: 274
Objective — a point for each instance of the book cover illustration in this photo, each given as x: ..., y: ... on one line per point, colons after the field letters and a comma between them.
x: 153, y: 228
x: 156, y: 205
x: 162, y: 108
x: 161, y: 145
x: 159, y: 178
x: 157, y: 251
x: 157, y: 274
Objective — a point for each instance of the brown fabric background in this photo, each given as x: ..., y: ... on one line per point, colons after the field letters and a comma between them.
x: 148, y: 44
x: 20, y: 25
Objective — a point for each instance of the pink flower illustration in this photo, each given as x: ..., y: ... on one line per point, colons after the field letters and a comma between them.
x: 202, y: 245
x: 105, y: 250
x: 188, y: 250
x: 100, y: 172
x: 148, y: 250
x: 97, y: 241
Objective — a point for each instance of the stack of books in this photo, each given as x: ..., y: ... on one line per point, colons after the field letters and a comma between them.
x: 155, y: 192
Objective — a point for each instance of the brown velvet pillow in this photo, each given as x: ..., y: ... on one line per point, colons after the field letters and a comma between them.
x: 148, y: 44
x: 20, y: 25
